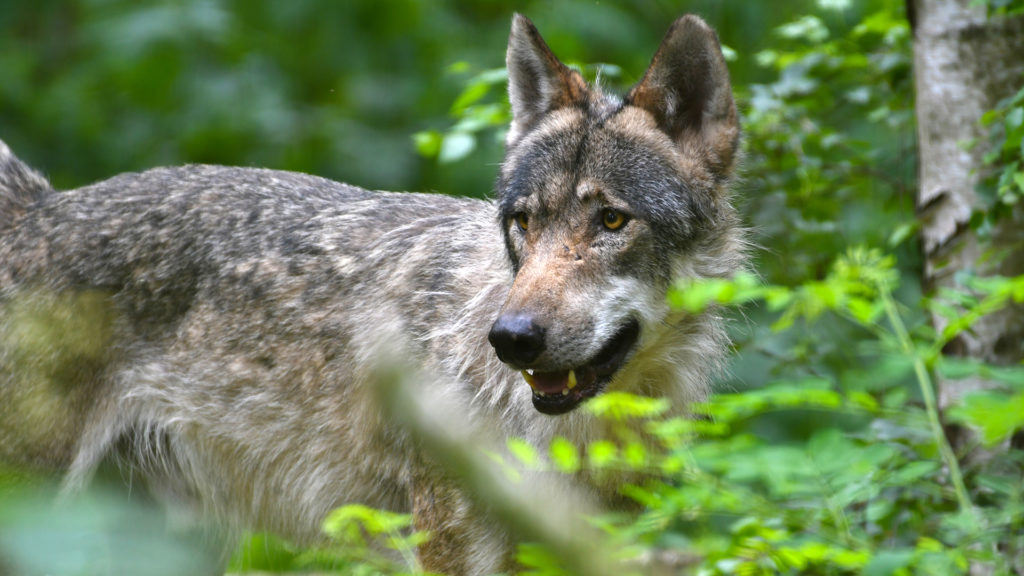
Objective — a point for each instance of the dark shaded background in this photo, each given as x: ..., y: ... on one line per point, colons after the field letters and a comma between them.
x: 95, y: 87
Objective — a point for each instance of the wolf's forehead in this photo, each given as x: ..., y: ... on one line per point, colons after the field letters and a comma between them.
x: 545, y: 160
x: 579, y: 155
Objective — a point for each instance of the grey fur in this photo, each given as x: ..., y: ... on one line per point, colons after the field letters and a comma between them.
x: 219, y: 329
x: 20, y: 187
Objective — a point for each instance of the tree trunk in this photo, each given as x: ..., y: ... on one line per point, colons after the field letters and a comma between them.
x: 964, y: 64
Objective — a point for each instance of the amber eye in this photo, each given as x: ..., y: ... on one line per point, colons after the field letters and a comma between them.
x: 522, y: 220
x: 612, y: 219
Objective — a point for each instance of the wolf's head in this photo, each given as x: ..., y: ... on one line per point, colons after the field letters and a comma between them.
x: 603, y: 201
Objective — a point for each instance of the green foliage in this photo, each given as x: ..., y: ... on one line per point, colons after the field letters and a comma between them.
x: 829, y: 147
x: 363, y: 535
x: 862, y: 493
x: 830, y: 458
x: 995, y: 415
x: 873, y: 488
x: 77, y: 537
x: 362, y: 542
x: 1005, y: 185
x: 997, y: 8
x: 478, y: 109
x: 265, y: 553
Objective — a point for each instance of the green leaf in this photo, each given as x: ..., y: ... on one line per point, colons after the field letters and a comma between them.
x: 372, y: 520
x: 697, y: 295
x: 635, y: 455
x: 458, y: 67
x: 889, y: 562
x: 864, y: 311
x: 539, y: 559
x: 959, y: 368
x: 902, y: 232
x: 837, y: 5
x: 473, y: 93
x: 777, y: 297
x: 1018, y: 179
x: 524, y: 452
x: 428, y: 143
x: 602, y: 453
x: 809, y: 28
x: 995, y: 415
x: 564, y: 455
x: 913, y: 472
x: 624, y: 406
x: 1014, y: 119
x: 479, y: 87
x: 766, y: 58
x: 456, y: 146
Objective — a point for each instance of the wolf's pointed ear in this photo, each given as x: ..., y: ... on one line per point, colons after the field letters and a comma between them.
x: 687, y: 90
x: 537, y: 81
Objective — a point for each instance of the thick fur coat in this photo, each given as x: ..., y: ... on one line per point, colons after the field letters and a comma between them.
x: 220, y: 331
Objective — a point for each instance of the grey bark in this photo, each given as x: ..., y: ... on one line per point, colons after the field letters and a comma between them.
x: 964, y: 64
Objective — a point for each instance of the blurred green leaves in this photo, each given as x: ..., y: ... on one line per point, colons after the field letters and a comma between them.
x: 1006, y: 158
x: 97, y: 532
x: 474, y: 115
x: 481, y: 110
x: 995, y: 415
x: 876, y: 467
x: 364, y: 535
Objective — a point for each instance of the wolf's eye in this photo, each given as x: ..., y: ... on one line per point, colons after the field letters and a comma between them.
x: 612, y: 219
x: 522, y: 220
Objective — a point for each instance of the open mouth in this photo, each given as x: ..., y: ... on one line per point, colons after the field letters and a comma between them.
x: 560, y: 392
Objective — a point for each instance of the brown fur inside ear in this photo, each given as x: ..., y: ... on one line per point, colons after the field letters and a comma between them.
x: 538, y: 82
x: 686, y: 88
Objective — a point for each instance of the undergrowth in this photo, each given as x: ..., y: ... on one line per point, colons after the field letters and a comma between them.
x: 826, y: 452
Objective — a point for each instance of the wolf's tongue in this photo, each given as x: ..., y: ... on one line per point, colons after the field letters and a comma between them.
x: 554, y: 383
x: 550, y: 383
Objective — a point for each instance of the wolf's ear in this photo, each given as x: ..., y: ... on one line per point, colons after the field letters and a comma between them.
x: 686, y: 89
x: 537, y: 81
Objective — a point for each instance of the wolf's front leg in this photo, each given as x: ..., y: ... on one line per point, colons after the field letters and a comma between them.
x: 464, y: 540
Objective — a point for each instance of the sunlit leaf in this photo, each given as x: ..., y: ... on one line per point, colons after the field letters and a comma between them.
x: 524, y: 452
x: 428, y: 143
x: 564, y: 455
x: 456, y: 146
x: 995, y: 415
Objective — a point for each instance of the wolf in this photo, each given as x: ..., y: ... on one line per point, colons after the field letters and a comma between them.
x: 219, y: 331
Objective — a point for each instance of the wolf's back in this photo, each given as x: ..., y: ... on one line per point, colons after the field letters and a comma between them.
x: 126, y: 300
x: 20, y: 186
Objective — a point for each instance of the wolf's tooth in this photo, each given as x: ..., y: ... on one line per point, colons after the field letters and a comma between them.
x: 572, y: 379
x: 529, y: 379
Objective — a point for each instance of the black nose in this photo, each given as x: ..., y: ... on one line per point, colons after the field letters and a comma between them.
x: 517, y: 338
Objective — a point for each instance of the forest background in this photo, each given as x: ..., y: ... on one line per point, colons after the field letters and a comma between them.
x: 830, y: 447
